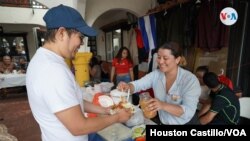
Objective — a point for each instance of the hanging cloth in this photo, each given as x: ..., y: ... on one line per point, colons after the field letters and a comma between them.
x: 139, y: 40
x: 147, y: 25
x: 211, y: 34
x: 226, y: 81
x: 148, y: 30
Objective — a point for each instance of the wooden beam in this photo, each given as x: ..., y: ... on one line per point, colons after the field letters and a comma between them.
x: 167, y: 5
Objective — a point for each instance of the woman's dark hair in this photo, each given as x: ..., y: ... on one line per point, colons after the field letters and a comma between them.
x: 202, y: 69
x: 211, y: 79
x: 119, y: 55
x: 176, y: 50
x: 93, y: 61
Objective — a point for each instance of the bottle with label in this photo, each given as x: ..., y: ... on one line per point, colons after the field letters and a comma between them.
x: 144, y: 97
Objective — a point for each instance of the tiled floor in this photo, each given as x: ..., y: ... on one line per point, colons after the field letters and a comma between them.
x: 15, y: 113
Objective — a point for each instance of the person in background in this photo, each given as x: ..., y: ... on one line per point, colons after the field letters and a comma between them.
x: 122, y: 66
x: 55, y: 97
x: 183, y: 62
x: 224, y: 107
x: 22, y: 66
x: 238, y: 91
x: 176, y: 90
x: 204, y: 97
x: 104, y: 69
x: 95, y: 69
x: 7, y: 66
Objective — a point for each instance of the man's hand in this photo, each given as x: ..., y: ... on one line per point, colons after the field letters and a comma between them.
x: 123, y: 115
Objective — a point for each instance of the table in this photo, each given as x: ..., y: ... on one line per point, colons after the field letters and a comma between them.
x: 115, y: 131
x: 12, y: 80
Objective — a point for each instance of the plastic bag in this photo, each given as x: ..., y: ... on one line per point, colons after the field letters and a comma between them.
x: 136, y: 119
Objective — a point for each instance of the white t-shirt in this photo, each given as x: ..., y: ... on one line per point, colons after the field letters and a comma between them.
x: 51, y: 88
x: 205, y: 91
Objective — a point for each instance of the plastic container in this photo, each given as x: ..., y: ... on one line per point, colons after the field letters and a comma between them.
x: 136, y: 119
x: 81, y: 64
x: 118, y: 96
x: 144, y: 97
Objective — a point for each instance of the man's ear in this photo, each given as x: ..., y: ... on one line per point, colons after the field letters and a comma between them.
x: 61, y: 32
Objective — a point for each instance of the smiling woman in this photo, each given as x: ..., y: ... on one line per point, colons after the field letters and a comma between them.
x: 176, y: 89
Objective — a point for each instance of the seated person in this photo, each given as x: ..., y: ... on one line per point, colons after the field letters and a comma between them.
x: 200, y: 71
x: 224, y: 107
x: 22, y: 65
x: 104, y: 69
x: 7, y: 66
x: 95, y: 70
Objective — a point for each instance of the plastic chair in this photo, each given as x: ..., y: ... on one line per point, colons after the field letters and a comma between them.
x: 244, y: 110
x: 245, y: 107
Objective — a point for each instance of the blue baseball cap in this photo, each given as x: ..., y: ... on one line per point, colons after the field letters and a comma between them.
x: 68, y: 17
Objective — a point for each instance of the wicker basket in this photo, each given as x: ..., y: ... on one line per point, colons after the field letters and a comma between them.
x: 4, y: 135
x: 7, y: 137
x: 3, y: 129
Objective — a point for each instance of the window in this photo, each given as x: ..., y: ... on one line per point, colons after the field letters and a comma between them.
x: 113, y: 43
x: 114, y: 38
x: 14, y: 45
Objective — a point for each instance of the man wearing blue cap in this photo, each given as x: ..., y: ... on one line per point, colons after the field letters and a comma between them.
x: 54, y: 96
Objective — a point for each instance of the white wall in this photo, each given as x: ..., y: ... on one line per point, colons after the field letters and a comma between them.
x: 100, y: 39
x: 95, y: 8
x: 77, y: 4
x: 53, y: 3
x: 15, y: 15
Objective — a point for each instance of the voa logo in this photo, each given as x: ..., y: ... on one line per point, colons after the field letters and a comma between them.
x: 228, y: 16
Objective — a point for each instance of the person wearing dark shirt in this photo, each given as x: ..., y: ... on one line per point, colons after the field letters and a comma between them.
x: 224, y: 107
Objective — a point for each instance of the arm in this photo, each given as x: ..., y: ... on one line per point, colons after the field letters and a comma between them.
x: 190, y: 91
x: 218, y: 103
x: 173, y: 109
x: 207, y: 118
x: 112, y: 74
x: 204, y: 109
x: 91, y: 108
x: 155, y: 105
x: 74, y: 120
x: 144, y: 83
x: 67, y: 107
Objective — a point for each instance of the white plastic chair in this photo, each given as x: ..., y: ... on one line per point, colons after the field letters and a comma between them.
x: 245, y: 107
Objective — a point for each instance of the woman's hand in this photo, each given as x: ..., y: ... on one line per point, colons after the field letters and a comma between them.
x: 122, y: 86
x: 155, y: 105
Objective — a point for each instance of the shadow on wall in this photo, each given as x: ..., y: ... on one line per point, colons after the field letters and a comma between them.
x: 214, y: 60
